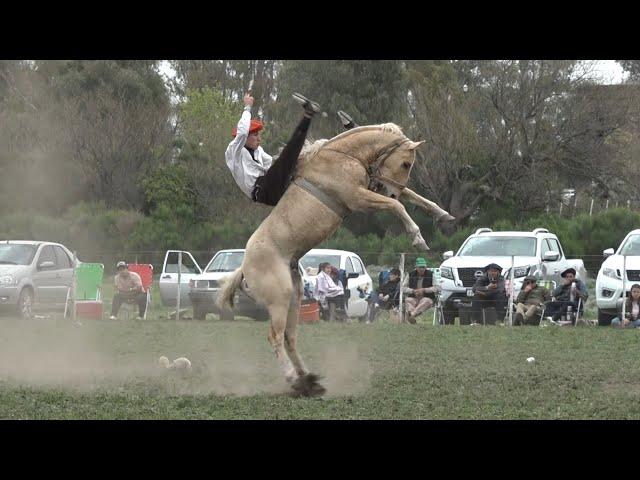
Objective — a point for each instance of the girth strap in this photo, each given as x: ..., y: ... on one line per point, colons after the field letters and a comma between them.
x: 338, y: 207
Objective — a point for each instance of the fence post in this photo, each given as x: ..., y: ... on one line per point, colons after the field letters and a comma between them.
x: 73, y: 288
x: 561, y: 203
x: 624, y: 288
x: 179, y: 278
x: 591, y: 207
x: 606, y: 206
x: 401, y: 282
x: 510, y: 302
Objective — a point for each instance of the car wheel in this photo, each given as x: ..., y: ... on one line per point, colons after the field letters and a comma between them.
x: 25, y: 303
x: 227, y: 315
x: 604, y: 319
x: 199, y: 313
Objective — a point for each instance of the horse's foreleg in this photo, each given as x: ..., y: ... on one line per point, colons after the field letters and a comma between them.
x: 363, y: 200
x: 428, y: 206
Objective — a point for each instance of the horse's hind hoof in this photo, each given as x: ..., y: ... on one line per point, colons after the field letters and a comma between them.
x: 307, y: 386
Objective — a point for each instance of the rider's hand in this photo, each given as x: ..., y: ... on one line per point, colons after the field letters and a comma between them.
x: 248, y: 100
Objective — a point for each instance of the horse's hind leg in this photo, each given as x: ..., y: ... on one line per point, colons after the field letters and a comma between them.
x: 272, y: 286
x: 306, y: 383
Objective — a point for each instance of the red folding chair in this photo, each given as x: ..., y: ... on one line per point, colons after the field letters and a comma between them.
x: 145, y: 270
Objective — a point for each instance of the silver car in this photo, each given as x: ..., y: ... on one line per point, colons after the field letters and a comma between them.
x: 34, y: 275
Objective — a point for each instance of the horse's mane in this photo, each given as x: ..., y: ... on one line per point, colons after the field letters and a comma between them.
x: 311, y: 148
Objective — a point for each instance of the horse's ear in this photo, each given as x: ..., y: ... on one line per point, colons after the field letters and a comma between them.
x: 415, y: 145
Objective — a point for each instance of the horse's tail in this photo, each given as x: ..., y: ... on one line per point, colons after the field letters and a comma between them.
x: 229, y: 287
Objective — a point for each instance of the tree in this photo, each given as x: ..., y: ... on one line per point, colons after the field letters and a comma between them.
x: 115, y: 118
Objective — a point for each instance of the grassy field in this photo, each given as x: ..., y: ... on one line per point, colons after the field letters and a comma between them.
x: 52, y: 369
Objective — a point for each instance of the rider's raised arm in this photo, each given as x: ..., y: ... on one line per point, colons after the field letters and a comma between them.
x: 233, y: 153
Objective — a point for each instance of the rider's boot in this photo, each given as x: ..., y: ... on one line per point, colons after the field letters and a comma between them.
x: 346, y: 120
x: 310, y: 107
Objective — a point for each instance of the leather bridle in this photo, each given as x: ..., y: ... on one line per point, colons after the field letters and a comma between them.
x: 376, y: 179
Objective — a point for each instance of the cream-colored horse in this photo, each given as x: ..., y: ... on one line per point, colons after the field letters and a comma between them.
x: 364, y: 169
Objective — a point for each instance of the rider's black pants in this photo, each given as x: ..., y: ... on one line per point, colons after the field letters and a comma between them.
x: 270, y: 187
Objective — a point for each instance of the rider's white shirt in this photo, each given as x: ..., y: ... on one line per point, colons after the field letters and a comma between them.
x: 246, y: 170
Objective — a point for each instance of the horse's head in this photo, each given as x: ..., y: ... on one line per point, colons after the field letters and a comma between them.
x: 392, y: 166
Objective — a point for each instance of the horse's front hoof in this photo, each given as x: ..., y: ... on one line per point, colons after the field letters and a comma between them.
x: 307, y: 386
x: 445, y: 218
x: 420, y: 243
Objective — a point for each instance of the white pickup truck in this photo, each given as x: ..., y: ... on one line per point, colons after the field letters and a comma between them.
x: 537, y: 253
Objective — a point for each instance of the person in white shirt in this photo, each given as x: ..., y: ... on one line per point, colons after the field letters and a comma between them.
x: 258, y: 176
x: 328, y: 293
x: 632, y: 310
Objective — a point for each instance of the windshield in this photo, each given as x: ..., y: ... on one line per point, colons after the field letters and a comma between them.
x: 16, y: 254
x: 499, y: 246
x: 226, y: 262
x: 631, y: 246
x: 311, y: 261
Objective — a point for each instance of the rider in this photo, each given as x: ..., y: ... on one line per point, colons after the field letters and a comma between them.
x: 255, y: 172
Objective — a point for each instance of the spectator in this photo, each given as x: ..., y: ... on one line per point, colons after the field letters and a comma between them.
x: 567, y: 295
x: 387, y: 296
x: 528, y: 303
x: 328, y: 293
x: 420, y: 291
x: 631, y: 310
x: 128, y: 289
x: 489, y: 292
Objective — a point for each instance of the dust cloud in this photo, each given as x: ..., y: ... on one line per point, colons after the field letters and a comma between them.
x: 56, y: 354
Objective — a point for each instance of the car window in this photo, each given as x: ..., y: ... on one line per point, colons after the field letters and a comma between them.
x: 47, y: 255
x: 555, y: 246
x: 544, y: 247
x: 349, y: 266
x: 16, y: 254
x: 187, y: 264
x: 63, y: 259
x: 486, y: 246
x: 310, y: 262
x: 631, y: 246
x: 357, y: 264
x: 226, y: 262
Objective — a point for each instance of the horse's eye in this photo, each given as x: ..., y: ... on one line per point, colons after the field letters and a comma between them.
x: 406, y: 165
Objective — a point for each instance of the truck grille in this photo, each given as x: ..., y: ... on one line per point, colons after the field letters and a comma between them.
x: 468, y: 276
x: 633, y: 275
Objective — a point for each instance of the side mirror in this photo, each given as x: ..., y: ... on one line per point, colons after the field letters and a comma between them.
x: 550, y: 256
x: 353, y: 275
x: 447, y: 255
x: 46, y: 265
x: 608, y: 252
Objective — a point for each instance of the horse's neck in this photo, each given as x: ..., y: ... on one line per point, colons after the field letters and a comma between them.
x: 363, y: 145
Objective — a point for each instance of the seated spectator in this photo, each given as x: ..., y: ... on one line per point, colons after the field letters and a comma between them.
x: 567, y: 295
x: 420, y: 291
x: 128, y: 289
x: 631, y: 310
x: 528, y: 303
x: 489, y: 292
x: 328, y: 293
x: 387, y: 296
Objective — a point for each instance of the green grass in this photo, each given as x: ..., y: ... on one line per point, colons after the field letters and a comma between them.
x: 51, y: 369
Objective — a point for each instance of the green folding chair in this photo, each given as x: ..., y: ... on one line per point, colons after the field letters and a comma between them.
x: 88, y: 281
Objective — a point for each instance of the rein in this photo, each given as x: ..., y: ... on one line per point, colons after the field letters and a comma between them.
x: 376, y: 179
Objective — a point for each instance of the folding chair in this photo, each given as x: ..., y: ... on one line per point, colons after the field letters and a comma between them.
x: 145, y: 270
x: 87, y: 285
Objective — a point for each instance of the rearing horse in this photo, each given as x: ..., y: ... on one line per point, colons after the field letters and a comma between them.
x: 364, y: 169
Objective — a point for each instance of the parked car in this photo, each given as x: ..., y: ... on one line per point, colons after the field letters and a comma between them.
x: 358, y: 280
x: 169, y: 277
x: 34, y: 275
x: 609, y: 288
x: 204, y: 287
x: 537, y: 253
